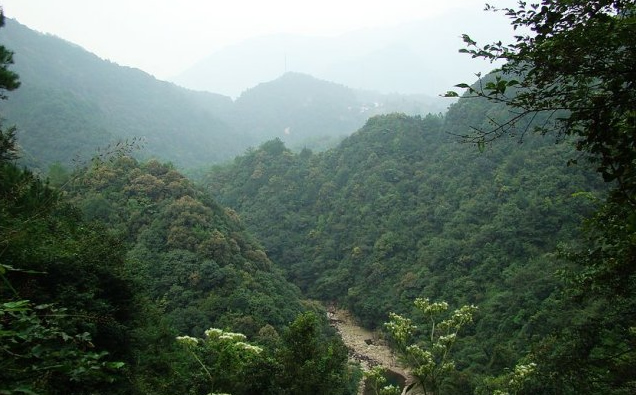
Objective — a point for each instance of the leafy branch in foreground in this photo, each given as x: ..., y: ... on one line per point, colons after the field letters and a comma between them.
x: 37, y: 355
x: 574, y: 62
x: 571, y: 64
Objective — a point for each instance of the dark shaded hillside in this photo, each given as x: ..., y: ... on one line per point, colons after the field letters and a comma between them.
x: 71, y: 102
x: 400, y: 210
x: 188, y: 251
x: 196, y: 268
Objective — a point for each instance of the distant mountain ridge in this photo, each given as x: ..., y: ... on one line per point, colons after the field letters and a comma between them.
x: 72, y: 102
x: 414, y: 58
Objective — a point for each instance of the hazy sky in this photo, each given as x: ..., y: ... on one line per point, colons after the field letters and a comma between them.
x: 165, y: 37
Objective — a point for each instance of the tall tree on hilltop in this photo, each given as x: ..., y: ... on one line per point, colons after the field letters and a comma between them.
x: 8, y: 82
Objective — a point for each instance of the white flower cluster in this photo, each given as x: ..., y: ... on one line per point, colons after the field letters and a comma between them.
x: 188, y: 340
x: 424, y: 358
x: 519, y: 375
x: 216, y: 333
x: 447, y: 340
x: 213, y: 333
x: 464, y: 314
x: 233, y: 336
x: 430, y: 308
x: 523, y: 371
x: 249, y: 347
x: 400, y: 327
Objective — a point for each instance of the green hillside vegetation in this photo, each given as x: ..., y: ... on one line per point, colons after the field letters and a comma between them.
x: 505, y: 266
x: 104, y: 269
x: 303, y: 111
x: 400, y: 210
x: 191, y: 254
x: 193, y: 260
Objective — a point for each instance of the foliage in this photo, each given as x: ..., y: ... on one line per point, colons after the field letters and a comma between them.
x: 66, y: 304
x: 593, y: 352
x: 311, y: 362
x: 191, y: 255
x: 63, y: 303
x: 305, y: 361
x: 512, y: 382
x: 574, y: 63
x: 9, y: 80
x: 429, y: 360
x: 39, y: 356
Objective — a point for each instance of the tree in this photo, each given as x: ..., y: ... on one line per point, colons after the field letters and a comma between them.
x: 572, y: 61
x: 8, y: 79
x: 8, y: 82
x: 310, y: 363
x: 376, y: 382
x: 38, y: 355
x: 429, y: 359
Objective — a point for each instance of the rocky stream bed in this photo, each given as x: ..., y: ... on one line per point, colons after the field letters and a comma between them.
x: 364, y: 346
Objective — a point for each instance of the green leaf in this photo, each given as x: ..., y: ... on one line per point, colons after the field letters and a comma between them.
x: 115, y: 365
x: 20, y: 305
x: 24, y: 390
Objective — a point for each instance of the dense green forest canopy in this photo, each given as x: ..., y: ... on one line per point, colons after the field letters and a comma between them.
x: 575, y: 60
x: 400, y: 209
x: 129, y: 256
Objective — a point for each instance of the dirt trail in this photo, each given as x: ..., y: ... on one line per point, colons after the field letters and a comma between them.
x: 364, y: 346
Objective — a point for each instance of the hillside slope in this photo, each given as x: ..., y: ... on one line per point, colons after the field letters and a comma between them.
x: 72, y: 102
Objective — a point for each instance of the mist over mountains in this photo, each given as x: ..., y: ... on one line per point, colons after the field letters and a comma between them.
x: 415, y: 58
x: 72, y: 102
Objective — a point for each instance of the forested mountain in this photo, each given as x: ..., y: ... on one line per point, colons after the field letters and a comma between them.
x: 129, y: 256
x: 184, y: 247
x: 511, y: 217
x: 303, y: 111
x: 72, y: 102
x: 400, y: 209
